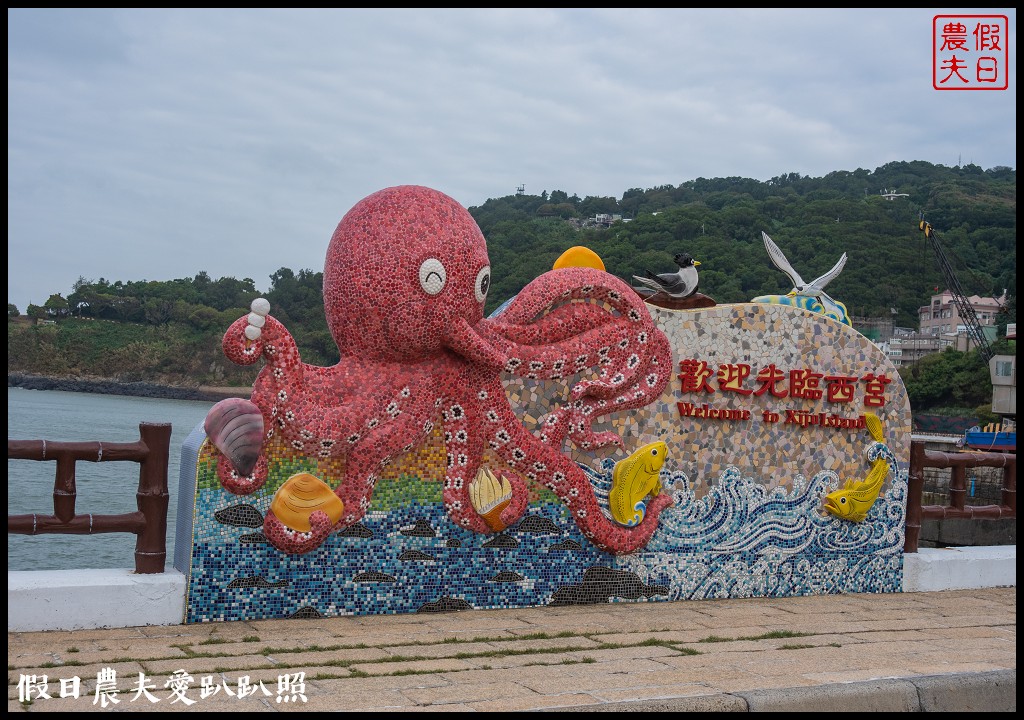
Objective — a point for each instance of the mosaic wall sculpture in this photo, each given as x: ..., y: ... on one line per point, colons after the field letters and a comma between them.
x: 579, y: 446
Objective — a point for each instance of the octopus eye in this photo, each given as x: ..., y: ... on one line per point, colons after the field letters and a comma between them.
x: 433, y: 276
x: 483, y: 283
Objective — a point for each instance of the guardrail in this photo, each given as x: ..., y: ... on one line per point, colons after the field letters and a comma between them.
x: 149, y: 522
x: 920, y: 458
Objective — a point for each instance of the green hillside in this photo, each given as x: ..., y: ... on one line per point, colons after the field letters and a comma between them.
x: 169, y: 332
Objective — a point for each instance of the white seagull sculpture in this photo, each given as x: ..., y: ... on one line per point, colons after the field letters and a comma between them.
x: 815, y: 288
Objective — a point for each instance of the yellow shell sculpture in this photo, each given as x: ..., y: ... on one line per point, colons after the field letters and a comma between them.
x: 490, y: 496
x: 300, y: 496
x: 579, y: 256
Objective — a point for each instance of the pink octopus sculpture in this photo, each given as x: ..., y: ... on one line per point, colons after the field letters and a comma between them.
x: 405, y: 282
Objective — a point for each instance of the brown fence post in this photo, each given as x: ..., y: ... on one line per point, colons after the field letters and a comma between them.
x: 153, y: 499
x: 148, y: 522
x: 915, y: 492
x: 64, y: 487
x: 958, y: 487
x: 1009, y: 494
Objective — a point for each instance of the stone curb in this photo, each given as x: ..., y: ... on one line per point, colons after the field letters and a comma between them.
x: 994, y: 691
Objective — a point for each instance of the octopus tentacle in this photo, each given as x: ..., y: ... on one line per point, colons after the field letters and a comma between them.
x: 367, y: 458
x: 564, y: 477
x: 275, y: 345
x: 635, y: 390
x: 463, y: 453
x: 566, y: 284
x: 376, y: 447
x: 466, y: 425
x: 292, y: 541
x: 520, y: 500
x: 619, y: 338
x: 283, y: 369
x: 556, y: 325
x: 238, y: 484
x: 367, y: 411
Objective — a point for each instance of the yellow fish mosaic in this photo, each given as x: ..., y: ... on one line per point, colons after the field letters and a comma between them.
x: 853, y: 501
x: 633, y: 479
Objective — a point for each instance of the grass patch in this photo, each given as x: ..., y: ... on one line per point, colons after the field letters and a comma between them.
x: 565, y: 661
x: 541, y: 636
x: 336, y: 663
x: 189, y: 651
x: 410, y: 671
x: 423, y: 643
x: 773, y: 635
x: 309, y: 648
x: 410, y: 658
x: 72, y: 650
x: 776, y: 634
x: 467, y: 655
x: 795, y: 647
x: 655, y: 642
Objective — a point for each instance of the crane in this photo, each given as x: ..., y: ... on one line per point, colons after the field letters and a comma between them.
x: 970, y: 318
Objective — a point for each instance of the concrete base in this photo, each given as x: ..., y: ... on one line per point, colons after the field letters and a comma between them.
x: 968, y: 532
x: 960, y: 568
x: 89, y: 599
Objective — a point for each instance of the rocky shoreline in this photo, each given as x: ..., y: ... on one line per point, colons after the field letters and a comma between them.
x: 106, y: 386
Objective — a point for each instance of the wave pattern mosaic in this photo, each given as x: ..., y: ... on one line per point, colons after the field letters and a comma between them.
x: 580, y: 446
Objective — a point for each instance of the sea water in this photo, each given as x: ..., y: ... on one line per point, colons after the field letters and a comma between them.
x: 106, y: 488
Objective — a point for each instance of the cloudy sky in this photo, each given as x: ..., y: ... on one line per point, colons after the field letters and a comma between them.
x: 153, y: 144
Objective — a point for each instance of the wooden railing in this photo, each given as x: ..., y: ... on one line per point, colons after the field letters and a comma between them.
x: 149, y: 522
x: 152, y: 451
x: 959, y: 463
